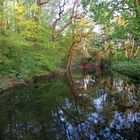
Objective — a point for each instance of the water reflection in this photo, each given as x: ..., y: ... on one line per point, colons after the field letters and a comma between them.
x: 82, y: 105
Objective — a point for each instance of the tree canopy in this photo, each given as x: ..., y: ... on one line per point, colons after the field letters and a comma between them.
x: 120, y: 21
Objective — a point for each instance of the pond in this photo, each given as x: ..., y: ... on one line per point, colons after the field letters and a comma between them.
x: 81, y: 105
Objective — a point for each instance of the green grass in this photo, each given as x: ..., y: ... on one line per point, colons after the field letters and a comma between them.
x: 130, y: 68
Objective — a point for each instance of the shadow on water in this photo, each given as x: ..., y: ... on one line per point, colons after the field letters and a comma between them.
x: 81, y: 105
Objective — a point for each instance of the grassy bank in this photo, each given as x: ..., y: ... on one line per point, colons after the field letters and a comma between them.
x: 130, y: 68
x: 22, y: 60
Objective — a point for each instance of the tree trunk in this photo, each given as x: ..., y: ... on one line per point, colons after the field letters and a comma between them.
x: 3, y: 21
x: 136, y: 39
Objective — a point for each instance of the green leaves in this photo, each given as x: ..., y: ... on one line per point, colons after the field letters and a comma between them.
x: 26, y: 48
x: 120, y: 19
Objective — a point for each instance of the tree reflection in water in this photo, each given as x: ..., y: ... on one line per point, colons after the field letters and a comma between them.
x: 80, y: 106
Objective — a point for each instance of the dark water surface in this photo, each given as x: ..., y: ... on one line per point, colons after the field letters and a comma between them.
x: 80, y: 105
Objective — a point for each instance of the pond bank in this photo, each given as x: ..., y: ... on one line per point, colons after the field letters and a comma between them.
x: 128, y: 68
x: 11, y: 84
x: 134, y: 76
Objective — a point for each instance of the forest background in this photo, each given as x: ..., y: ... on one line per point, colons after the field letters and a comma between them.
x: 39, y: 36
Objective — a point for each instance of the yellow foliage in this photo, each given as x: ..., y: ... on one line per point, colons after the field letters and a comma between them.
x: 130, y: 50
x: 107, y: 51
x: 121, y: 21
x: 27, y: 24
x: 82, y: 31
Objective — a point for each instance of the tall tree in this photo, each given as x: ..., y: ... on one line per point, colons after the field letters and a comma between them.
x: 127, y: 29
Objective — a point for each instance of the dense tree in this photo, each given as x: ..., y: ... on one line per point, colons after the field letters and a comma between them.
x: 36, y: 35
x: 81, y: 35
x: 120, y: 22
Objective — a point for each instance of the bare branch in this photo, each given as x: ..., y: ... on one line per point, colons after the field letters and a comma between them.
x: 39, y: 3
x: 61, y: 11
x: 74, y: 15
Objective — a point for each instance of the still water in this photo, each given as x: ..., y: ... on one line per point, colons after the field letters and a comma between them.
x: 80, y: 105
